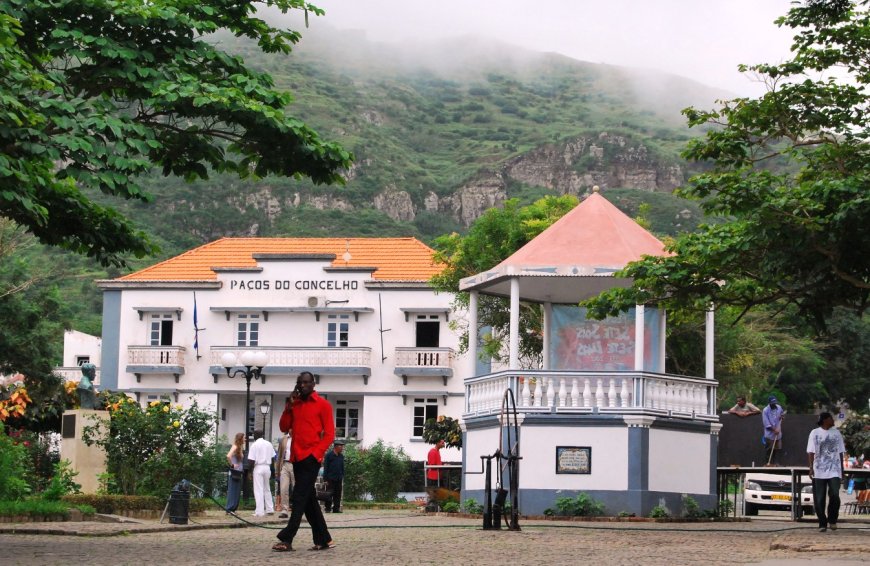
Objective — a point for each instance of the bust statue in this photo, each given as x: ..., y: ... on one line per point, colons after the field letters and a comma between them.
x: 85, y: 388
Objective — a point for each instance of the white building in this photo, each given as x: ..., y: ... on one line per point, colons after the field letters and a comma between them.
x: 79, y: 348
x: 358, y: 313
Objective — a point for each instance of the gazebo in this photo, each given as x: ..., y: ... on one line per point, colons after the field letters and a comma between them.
x: 602, y: 389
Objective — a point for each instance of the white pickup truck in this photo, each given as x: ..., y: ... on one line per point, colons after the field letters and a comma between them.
x: 773, y: 491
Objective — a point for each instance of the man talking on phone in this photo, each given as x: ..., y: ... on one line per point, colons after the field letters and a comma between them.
x: 310, y: 417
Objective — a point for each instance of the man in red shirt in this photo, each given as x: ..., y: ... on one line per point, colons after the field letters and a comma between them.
x: 434, y: 459
x: 310, y: 417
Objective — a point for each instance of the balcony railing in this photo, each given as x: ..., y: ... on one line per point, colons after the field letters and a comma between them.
x: 592, y: 391
x: 74, y: 373
x: 425, y: 357
x: 302, y: 357
x: 157, y: 356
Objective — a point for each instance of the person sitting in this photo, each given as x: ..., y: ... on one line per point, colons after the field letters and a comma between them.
x: 744, y: 409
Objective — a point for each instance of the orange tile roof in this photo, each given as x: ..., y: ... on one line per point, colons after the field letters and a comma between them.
x: 396, y: 259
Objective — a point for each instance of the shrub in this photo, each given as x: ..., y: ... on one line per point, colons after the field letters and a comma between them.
x: 691, y: 509
x: 472, y: 506
x: 114, y: 504
x: 450, y: 507
x: 13, y: 468
x: 354, y: 485
x: 580, y: 506
x: 379, y: 470
x: 659, y: 512
x: 386, y: 467
x: 33, y: 508
x: 62, y: 482
x: 148, y: 450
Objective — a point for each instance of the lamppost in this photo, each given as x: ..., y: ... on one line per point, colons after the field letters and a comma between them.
x: 253, y: 362
x: 264, y: 409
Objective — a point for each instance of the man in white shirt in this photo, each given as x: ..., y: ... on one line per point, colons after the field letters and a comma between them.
x: 260, y: 454
x: 825, y: 450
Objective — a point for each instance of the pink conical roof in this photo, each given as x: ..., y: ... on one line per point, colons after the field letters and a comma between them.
x: 573, y: 259
x: 595, y: 235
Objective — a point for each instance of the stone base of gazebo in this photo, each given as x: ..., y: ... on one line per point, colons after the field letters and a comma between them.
x: 629, y: 462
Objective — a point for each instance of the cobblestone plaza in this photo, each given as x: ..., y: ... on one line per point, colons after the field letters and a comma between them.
x: 407, y: 537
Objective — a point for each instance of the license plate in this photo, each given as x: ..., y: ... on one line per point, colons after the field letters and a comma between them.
x: 782, y: 497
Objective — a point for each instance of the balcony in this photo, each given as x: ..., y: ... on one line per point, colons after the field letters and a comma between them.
x: 74, y: 373
x: 155, y: 360
x: 422, y: 362
x: 291, y: 361
x: 588, y: 392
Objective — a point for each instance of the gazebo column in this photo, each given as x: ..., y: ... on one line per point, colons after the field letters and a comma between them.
x: 638, y: 337
x: 663, y: 328
x: 709, y: 350
x: 545, y: 330
x: 514, y: 344
x: 472, y: 331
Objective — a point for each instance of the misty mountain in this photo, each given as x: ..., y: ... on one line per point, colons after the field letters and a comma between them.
x: 441, y: 132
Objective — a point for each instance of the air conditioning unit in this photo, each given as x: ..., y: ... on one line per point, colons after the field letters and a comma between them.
x: 313, y: 302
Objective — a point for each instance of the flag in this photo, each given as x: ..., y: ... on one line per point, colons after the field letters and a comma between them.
x: 195, y: 328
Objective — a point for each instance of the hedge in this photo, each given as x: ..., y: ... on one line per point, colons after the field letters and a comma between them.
x: 113, y: 504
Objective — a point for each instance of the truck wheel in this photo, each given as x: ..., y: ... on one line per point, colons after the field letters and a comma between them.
x: 809, y: 510
x: 750, y: 509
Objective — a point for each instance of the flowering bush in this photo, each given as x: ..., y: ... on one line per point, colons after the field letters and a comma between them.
x: 13, y: 403
x: 443, y: 428
x: 149, y: 449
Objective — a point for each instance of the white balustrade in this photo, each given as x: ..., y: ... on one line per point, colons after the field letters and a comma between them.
x: 584, y: 392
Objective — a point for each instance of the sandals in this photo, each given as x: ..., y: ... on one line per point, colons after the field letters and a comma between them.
x: 326, y: 546
x: 282, y: 547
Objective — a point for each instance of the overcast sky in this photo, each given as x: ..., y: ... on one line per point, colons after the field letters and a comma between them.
x: 701, y: 39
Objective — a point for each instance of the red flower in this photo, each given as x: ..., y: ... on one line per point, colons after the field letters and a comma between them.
x: 26, y: 443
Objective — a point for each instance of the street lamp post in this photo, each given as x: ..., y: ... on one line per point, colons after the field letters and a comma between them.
x: 253, y: 363
x: 264, y: 409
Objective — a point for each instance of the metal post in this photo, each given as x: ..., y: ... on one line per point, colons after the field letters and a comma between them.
x: 487, y: 493
x: 246, y: 492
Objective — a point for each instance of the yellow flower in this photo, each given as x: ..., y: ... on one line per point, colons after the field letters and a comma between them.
x: 166, y: 408
x: 178, y: 407
x: 176, y: 424
x: 153, y: 403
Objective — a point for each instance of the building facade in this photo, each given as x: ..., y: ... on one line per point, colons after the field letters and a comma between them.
x: 358, y: 313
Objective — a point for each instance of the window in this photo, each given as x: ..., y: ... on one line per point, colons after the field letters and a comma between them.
x: 347, y: 419
x: 424, y: 409
x: 248, y: 330
x: 161, y: 329
x: 82, y: 360
x: 337, y: 330
x: 160, y: 397
x: 428, y: 331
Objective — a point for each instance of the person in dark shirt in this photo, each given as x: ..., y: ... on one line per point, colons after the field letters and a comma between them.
x: 333, y: 473
x: 309, y: 416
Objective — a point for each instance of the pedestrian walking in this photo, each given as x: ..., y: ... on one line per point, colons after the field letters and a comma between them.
x: 285, y: 476
x: 261, y: 454
x: 825, y: 449
x: 333, y: 473
x: 309, y: 416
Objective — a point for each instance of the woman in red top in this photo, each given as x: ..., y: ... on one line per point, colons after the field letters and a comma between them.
x: 434, y: 459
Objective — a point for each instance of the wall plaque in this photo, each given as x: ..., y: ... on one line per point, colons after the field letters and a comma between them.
x: 68, y: 426
x: 573, y: 459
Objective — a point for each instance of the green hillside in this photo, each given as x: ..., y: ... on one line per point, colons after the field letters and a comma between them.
x: 424, y: 122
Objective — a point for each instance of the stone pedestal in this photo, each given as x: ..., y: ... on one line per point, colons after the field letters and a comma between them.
x: 88, y: 461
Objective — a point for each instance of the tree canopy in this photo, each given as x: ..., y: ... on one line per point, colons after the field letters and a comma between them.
x: 787, y: 185
x: 94, y: 94
x: 492, y: 238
